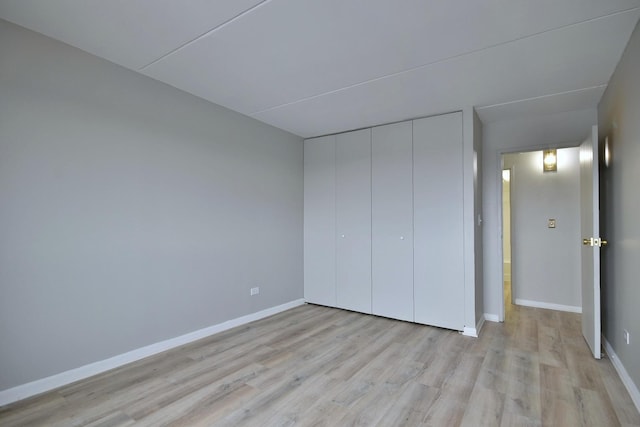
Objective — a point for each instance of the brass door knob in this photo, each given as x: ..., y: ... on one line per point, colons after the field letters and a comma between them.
x: 586, y: 242
x: 604, y: 242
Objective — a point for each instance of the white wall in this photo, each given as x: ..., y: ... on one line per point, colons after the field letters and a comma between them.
x: 545, y: 261
x: 130, y: 212
x: 556, y: 130
x: 619, y: 118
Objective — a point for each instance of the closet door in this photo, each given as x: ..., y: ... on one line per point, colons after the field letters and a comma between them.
x: 319, y: 220
x: 392, y: 221
x: 438, y: 221
x: 353, y: 220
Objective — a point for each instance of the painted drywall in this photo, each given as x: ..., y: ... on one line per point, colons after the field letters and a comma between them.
x: 131, y: 212
x: 545, y: 261
x: 618, y: 114
x: 564, y: 129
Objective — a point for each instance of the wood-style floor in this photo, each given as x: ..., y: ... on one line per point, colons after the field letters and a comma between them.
x: 317, y: 366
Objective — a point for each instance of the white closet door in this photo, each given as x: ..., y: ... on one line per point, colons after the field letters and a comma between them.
x: 319, y: 220
x: 353, y: 220
x: 392, y: 221
x: 438, y: 221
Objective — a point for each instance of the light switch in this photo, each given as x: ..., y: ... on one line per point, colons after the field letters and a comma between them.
x: 551, y: 223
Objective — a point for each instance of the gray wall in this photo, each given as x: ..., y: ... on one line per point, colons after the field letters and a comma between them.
x: 619, y: 118
x: 555, y: 130
x: 545, y: 261
x: 130, y: 212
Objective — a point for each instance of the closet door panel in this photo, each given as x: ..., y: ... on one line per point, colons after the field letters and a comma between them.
x: 392, y: 221
x: 438, y: 221
x: 319, y: 221
x: 353, y: 220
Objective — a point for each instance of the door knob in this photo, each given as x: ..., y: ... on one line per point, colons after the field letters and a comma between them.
x: 594, y: 242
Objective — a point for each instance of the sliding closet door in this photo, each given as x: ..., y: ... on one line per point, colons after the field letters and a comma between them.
x: 319, y: 220
x: 353, y: 220
x: 392, y: 221
x: 438, y: 221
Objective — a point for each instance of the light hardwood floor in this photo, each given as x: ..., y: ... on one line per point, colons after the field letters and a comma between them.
x: 318, y: 366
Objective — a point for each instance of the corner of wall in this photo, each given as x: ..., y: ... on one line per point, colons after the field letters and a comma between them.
x: 631, y: 387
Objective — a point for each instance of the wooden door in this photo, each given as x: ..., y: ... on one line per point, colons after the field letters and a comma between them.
x: 590, y: 227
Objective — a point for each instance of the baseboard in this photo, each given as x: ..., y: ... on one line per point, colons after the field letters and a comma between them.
x: 491, y: 317
x: 622, y: 373
x: 548, y: 305
x: 49, y: 383
x: 480, y: 324
x: 470, y: 332
x: 474, y: 332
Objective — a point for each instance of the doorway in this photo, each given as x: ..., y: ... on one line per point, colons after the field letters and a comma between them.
x: 540, y: 228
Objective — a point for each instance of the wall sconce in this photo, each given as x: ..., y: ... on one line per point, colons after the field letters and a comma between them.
x: 607, y: 152
x: 550, y: 160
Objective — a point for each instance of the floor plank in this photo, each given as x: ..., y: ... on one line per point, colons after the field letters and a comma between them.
x: 318, y: 366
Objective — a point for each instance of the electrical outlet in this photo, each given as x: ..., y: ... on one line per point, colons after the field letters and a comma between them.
x: 627, y: 337
x: 255, y: 291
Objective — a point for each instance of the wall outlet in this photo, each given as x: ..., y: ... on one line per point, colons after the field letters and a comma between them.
x: 255, y: 291
x: 627, y: 337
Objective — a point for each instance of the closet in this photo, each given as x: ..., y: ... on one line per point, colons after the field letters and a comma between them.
x: 392, y: 221
x: 438, y: 256
x: 384, y: 223
x: 320, y: 221
x: 353, y: 220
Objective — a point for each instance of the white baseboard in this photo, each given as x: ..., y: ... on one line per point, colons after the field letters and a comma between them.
x: 632, y: 388
x: 480, y: 324
x: 470, y: 332
x: 474, y: 332
x: 491, y: 317
x: 49, y: 383
x: 548, y: 305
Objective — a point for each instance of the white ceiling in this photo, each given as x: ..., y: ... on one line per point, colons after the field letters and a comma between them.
x: 314, y: 67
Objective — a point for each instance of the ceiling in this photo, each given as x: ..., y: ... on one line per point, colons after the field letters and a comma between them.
x: 315, y: 67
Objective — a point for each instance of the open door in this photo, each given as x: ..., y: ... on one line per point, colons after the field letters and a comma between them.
x: 591, y: 241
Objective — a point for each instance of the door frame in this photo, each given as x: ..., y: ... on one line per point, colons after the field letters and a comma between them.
x: 498, y: 186
x: 511, y: 173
